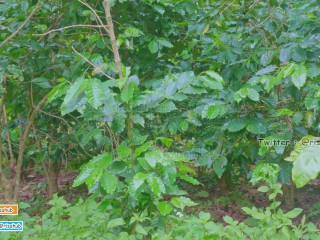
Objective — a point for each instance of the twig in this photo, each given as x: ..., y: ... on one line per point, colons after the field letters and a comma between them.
x: 67, y: 27
x: 22, y: 25
x: 88, y: 61
x: 96, y: 15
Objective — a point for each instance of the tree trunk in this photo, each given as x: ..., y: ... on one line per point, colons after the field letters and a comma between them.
x: 51, y: 169
x: 224, y: 183
x: 289, y: 191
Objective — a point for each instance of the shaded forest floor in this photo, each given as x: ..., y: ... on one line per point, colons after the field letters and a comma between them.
x: 209, y: 200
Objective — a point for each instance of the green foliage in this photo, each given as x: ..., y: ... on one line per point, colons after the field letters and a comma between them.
x: 306, y: 160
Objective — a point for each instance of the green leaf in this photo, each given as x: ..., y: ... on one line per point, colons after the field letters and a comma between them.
x: 74, y: 96
x: 136, y: 183
x: 166, y: 107
x: 154, y: 157
x: 57, y: 92
x: 299, y: 76
x: 153, y: 47
x: 156, y: 185
x: 205, y: 217
x: 299, y: 55
x: 166, y: 141
x: 253, y: 94
x: 115, y: 223
x: 141, y: 230
x: 165, y: 43
x: 257, y: 126
x: 89, y: 170
x: 109, y: 182
x: 263, y: 189
x: 294, y: 213
x: 123, y: 151
x: 138, y: 119
x: 143, y: 148
x: 127, y: 92
x: 41, y: 82
x: 235, y: 125
x: 214, y: 76
x: 165, y: 208
x: 182, y: 202
x: 211, y: 83
x: 211, y: 112
x: 188, y: 179
x: 313, y: 72
x: 266, y: 58
x: 94, y: 92
x: 306, y: 160
x: 266, y: 70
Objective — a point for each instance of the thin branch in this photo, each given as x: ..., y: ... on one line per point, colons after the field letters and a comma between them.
x: 88, y: 61
x: 67, y: 27
x: 5, y: 121
x: 113, y: 39
x: 66, y: 122
x: 96, y: 15
x: 22, y: 25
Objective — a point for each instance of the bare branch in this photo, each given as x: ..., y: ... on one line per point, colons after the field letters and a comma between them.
x: 88, y: 61
x: 96, y: 15
x: 22, y: 25
x: 67, y: 27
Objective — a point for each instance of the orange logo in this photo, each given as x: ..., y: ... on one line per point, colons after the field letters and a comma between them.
x: 8, y: 209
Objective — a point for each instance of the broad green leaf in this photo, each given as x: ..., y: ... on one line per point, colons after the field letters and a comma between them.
x: 143, y: 148
x: 205, y: 217
x: 211, y: 112
x: 41, y: 82
x: 165, y: 208
x: 253, y: 94
x: 141, y: 230
x: 266, y: 58
x: 109, y: 182
x: 57, y: 92
x: 263, y: 189
x: 214, y: 76
x: 127, y: 92
x: 124, y: 151
x: 306, y: 160
x: 82, y: 177
x: 94, y: 92
x: 166, y: 141
x: 182, y: 202
x: 188, y: 179
x: 313, y: 72
x: 138, y: 119
x: 235, y: 125
x: 156, y: 185
x: 165, y: 43
x: 294, y: 213
x: 211, y: 83
x: 299, y: 76
x: 299, y: 55
x: 257, y: 126
x: 115, y: 223
x: 165, y: 107
x: 74, y: 96
x: 88, y: 171
x: 266, y: 70
x: 136, y: 183
x: 154, y: 157
x: 153, y: 46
